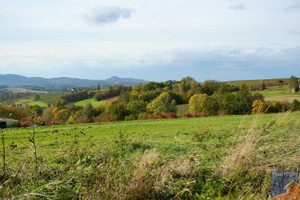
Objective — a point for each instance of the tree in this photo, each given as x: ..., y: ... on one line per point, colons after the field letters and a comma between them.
x: 98, y: 86
x: 88, y: 111
x: 36, y: 97
x: 210, y: 86
x: 117, y: 108
x: 293, y: 84
x: 196, y: 103
x: 162, y: 104
x: 258, y: 96
x: 242, y: 103
x: 295, y: 105
x: 211, y: 106
x: 136, y: 107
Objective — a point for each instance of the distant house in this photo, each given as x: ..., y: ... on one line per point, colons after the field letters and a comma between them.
x: 76, y: 89
x: 9, y: 123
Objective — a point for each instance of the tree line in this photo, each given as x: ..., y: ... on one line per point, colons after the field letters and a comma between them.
x: 152, y: 100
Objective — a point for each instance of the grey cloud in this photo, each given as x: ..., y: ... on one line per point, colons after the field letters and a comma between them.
x: 295, y: 6
x: 107, y: 15
x: 237, y: 7
x: 295, y: 33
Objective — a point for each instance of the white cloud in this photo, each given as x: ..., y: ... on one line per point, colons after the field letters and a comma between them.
x: 237, y: 7
x: 108, y: 15
x: 53, y: 37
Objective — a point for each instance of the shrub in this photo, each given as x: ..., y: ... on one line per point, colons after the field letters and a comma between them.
x: 258, y: 96
x: 295, y: 105
x: 25, y: 122
x: 83, y: 119
x: 144, y: 115
x: 276, y: 107
x: 242, y: 103
x: 160, y: 116
x: 187, y: 115
x: 105, y: 118
x: 258, y: 106
x: 130, y: 118
x: 199, y: 135
x: 171, y: 115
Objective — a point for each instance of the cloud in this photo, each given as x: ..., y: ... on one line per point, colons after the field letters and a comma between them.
x: 108, y: 15
x: 295, y: 6
x: 237, y: 7
x: 297, y: 33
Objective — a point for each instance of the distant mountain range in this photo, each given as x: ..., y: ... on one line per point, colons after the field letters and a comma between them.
x: 12, y: 79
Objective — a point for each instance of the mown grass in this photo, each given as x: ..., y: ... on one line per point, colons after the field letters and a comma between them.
x: 92, y: 101
x: 224, y: 157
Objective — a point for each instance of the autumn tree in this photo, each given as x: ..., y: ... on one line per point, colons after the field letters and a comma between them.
x: 162, y: 104
x: 196, y: 103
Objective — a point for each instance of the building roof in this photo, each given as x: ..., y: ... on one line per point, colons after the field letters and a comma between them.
x: 7, y: 119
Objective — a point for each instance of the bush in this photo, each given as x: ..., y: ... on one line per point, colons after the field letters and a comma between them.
x: 25, y: 122
x: 105, y: 118
x: 258, y: 96
x: 171, y: 115
x: 295, y: 105
x: 130, y: 118
x: 242, y: 103
x: 276, y: 107
x: 258, y: 106
x: 144, y: 115
x: 199, y: 135
x: 83, y: 119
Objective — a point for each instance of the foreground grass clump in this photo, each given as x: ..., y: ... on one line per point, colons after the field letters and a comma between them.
x: 226, y: 157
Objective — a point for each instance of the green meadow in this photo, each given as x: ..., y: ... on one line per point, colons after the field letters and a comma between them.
x: 221, y: 157
x: 92, y: 101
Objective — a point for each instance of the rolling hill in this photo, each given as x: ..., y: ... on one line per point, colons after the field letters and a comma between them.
x: 12, y: 79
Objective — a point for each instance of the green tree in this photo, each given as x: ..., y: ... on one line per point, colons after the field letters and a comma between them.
x: 211, y: 106
x: 293, y: 84
x: 136, y: 107
x: 118, y: 109
x: 242, y: 103
x: 88, y: 111
x: 98, y: 86
x: 162, y: 104
x: 210, y: 86
x: 295, y: 106
x: 36, y: 97
x: 258, y: 96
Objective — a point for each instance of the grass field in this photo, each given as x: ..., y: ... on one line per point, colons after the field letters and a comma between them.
x: 279, y: 93
x: 30, y: 102
x: 46, y: 98
x: 224, y: 157
x: 258, y: 81
x: 92, y: 101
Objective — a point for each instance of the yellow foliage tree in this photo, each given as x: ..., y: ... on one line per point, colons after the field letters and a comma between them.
x: 196, y: 103
x: 258, y: 106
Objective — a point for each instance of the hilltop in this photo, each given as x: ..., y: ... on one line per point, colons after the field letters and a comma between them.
x: 13, y: 79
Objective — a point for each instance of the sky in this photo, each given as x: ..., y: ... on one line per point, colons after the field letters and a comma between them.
x: 154, y: 40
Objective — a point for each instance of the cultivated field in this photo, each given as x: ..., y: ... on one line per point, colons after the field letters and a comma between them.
x: 223, y: 157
